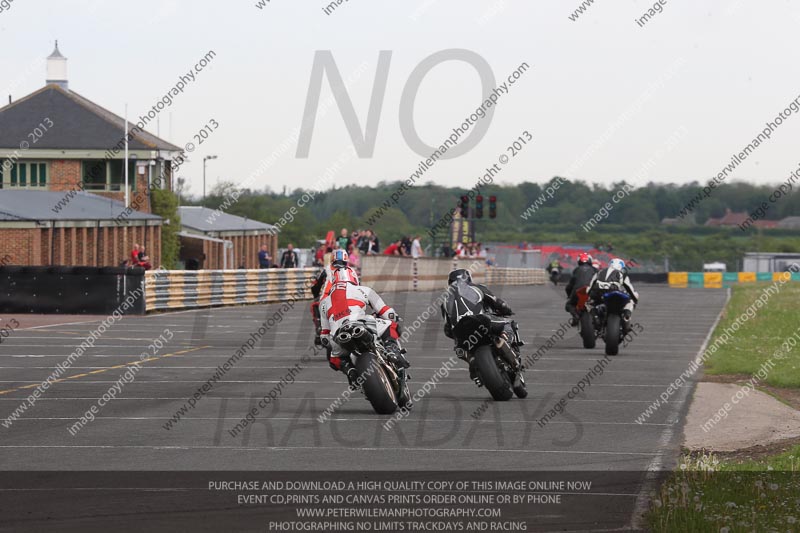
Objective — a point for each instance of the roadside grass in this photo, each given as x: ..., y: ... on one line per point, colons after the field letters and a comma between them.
x: 706, y: 494
x: 759, y: 337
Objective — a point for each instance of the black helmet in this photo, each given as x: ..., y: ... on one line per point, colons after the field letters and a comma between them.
x: 459, y: 274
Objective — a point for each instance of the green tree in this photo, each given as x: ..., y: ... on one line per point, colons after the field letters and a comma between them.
x: 165, y: 204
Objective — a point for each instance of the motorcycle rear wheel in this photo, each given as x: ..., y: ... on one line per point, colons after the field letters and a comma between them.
x: 587, y: 331
x: 495, y: 381
x: 612, y: 334
x: 521, y: 391
x: 377, y: 387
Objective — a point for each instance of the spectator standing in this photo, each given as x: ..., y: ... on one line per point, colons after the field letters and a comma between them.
x: 320, y: 255
x: 343, y: 240
x: 144, y: 259
x: 374, y: 244
x: 405, y: 245
x: 264, y: 259
x: 416, y: 248
x: 354, y: 260
x: 363, y: 241
x: 289, y: 258
x: 393, y: 249
x: 134, y: 256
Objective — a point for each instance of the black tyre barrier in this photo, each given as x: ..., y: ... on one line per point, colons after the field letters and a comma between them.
x: 71, y: 290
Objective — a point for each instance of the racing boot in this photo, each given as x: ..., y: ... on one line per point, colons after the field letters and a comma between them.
x: 395, y: 354
x: 573, y: 312
x: 352, y: 374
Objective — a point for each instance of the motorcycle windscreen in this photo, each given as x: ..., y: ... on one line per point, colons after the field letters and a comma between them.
x: 463, y: 300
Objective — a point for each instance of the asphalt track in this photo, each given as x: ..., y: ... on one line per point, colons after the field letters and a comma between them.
x: 597, y: 433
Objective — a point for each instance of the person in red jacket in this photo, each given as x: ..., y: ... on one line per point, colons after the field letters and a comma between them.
x: 392, y: 249
x: 134, y: 256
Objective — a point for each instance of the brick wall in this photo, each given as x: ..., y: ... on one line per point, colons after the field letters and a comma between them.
x: 66, y: 174
x: 78, y: 246
x: 19, y: 245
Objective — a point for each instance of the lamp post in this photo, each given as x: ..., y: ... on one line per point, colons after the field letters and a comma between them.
x: 206, y: 158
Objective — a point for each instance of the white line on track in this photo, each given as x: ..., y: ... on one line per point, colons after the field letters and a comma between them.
x: 339, y: 419
x: 250, y: 398
x: 382, y: 449
x: 167, y: 367
x: 459, y: 383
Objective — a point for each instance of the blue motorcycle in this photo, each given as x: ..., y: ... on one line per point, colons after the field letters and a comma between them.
x: 608, y: 316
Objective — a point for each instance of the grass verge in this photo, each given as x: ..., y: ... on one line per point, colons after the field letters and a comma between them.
x: 761, y: 331
x: 707, y: 494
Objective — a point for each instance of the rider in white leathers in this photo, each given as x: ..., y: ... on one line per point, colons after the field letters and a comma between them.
x: 346, y: 302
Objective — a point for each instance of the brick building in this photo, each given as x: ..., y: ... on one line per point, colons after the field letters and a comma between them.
x: 208, y: 235
x: 54, y: 144
x: 83, y: 233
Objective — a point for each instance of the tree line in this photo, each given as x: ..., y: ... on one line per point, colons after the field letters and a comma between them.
x: 634, y: 226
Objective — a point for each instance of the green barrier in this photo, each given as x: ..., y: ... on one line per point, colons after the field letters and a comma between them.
x: 729, y: 279
x: 696, y: 279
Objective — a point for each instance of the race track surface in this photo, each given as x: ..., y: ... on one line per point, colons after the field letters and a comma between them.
x: 453, y: 427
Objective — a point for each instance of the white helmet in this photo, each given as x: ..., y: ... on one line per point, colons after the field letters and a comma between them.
x: 617, y: 264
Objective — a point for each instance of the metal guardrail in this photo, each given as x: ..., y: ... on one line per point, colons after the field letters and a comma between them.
x: 188, y: 289
x: 515, y: 276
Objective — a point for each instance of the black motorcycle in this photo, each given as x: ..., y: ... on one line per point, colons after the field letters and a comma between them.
x: 384, y: 383
x: 608, y: 315
x: 488, y: 343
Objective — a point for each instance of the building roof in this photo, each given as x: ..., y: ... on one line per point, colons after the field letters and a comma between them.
x: 789, y: 222
x: 766, y: 224
x: 208, y: 220
x: 729, y: 219
x: 56, y: 53
x: 78, y: 124
x: 24, y: 205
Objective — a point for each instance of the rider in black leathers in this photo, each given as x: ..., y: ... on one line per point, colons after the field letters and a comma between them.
x: 581, y: 277
x: 491, y: 303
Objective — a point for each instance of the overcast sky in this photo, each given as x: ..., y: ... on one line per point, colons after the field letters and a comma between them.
x: 603, y: 95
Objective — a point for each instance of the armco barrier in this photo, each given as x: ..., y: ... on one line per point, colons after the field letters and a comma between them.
x: 386, y: 273
x: 187, y: 289
x: 720, y: 280
x: 515, y: 276
x: 71, y: 290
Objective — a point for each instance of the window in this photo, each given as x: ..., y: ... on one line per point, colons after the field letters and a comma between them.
x: 94, y: 175
x: 24, y: 174
x: 102, y: 175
